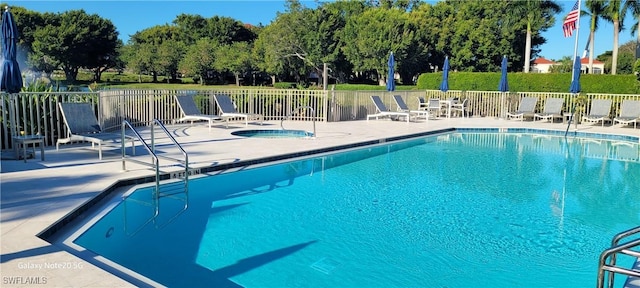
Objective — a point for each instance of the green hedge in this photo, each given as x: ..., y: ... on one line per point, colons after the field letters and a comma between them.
x: 537, y: 82
x: 366, y: 87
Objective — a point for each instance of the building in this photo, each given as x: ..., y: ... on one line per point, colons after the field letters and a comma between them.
x: 543, y: 65
x: 598, y: 66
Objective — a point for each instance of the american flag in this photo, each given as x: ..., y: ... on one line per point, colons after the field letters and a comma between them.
x: 570, y: 21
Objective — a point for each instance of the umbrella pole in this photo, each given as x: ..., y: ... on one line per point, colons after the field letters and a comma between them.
x: 502, y: 106
x: 12, y: 115
x: 573, y: 115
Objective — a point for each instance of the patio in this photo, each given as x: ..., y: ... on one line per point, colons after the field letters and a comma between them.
x: 37, y: 193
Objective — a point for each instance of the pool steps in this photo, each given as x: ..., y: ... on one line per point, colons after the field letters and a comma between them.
x: 177, y: 189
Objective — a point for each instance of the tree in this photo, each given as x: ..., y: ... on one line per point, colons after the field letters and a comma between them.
x: 301, y: 40
x: 370, y: 36
x: 626, y: 57
x: 614, y: 14
x: 148, y: 44
x: 27, y: 23
x: 564, y: 65
x: 199, y: 59
x: 224, y: 30
x: 332, y: 18
x: 192, y: 27
x: 266, y: 55
x: 75, y: 39
x: 595, y: 10
x: 634, y: 7
x: 138, y: 57
x: 104, y: 58
x: 169, y: 54
x: 479, y: 44
x: 539, y: 17
x: 234, y: 58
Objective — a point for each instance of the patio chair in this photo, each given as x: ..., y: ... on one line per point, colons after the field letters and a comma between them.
x: 629, y: 113
x: 461, y: 107
x: 422, y: 104
x: 552, y: 109
x: 382, y: 111
x: 82, y: 125
x: 525, y: 109
x: 402, y: 107
x: 600, y: 110
x: 191, y: 112
x: 434, y: 107
x: 228, y: 110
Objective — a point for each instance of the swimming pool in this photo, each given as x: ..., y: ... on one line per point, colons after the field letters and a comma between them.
x: 456, y: 210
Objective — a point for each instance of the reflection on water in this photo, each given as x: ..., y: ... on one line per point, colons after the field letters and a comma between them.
x: 582, y: 147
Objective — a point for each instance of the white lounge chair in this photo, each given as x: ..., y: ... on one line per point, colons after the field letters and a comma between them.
x: 402, y: 107
x: 629, y: 113
x: 382, y: 111
x: 228, y: 110
x: 552, y: 109
x: 600, y: 110
x: 191, y: 112
x: 526, y: 108
x: 82, y: 125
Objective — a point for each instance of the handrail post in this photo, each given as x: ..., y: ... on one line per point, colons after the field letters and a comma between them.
x: 122, y: 144
x: 611, y: 254
x: 296, y: 110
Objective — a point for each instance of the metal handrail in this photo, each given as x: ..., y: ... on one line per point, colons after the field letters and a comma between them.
x: 611, y: 254
x: 156, y: 161
x: 156, y: 164
x: 296, y: 110
x: 175, y: 143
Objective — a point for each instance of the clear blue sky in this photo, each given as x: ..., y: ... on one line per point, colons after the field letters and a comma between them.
x: 132, y: 16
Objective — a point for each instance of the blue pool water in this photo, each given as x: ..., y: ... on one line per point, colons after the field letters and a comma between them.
x: 455, y: 210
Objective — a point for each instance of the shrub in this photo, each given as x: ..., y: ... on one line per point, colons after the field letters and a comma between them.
x: 525, y: 82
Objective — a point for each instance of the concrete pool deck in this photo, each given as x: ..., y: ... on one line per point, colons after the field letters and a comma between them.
x: 36, y: 194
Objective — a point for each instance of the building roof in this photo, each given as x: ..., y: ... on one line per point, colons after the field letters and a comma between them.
x: 585, y: 60
x: 542, y: 60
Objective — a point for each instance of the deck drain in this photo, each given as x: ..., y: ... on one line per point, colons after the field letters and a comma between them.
x: 325, y: 265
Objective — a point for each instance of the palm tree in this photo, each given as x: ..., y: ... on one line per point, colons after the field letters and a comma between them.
x: 615, y: 15
x: 634, y: 7
x: 596, y: 9
x: 537, y: 12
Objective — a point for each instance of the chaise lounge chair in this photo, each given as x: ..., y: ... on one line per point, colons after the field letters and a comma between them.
x: 600, y: 110
x: 191, y: 112
x: 382, y: 110
x: 82, y: 125
x: 552, y: 109
x: 228, y: 110
x: 402, y: 107
x: 629, y: 113
x: 526, y: 108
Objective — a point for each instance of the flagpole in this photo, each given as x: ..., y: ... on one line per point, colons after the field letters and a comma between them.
x: 575, y: 48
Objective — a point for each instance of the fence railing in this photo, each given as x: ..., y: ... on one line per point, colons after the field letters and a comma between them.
x: 32, y: 113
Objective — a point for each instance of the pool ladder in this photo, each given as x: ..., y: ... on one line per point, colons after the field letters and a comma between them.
x: 607, y: 264
x: 177, y: 190
x: 296, y: 110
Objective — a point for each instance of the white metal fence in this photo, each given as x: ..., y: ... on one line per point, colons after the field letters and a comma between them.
x: 38, y: 113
